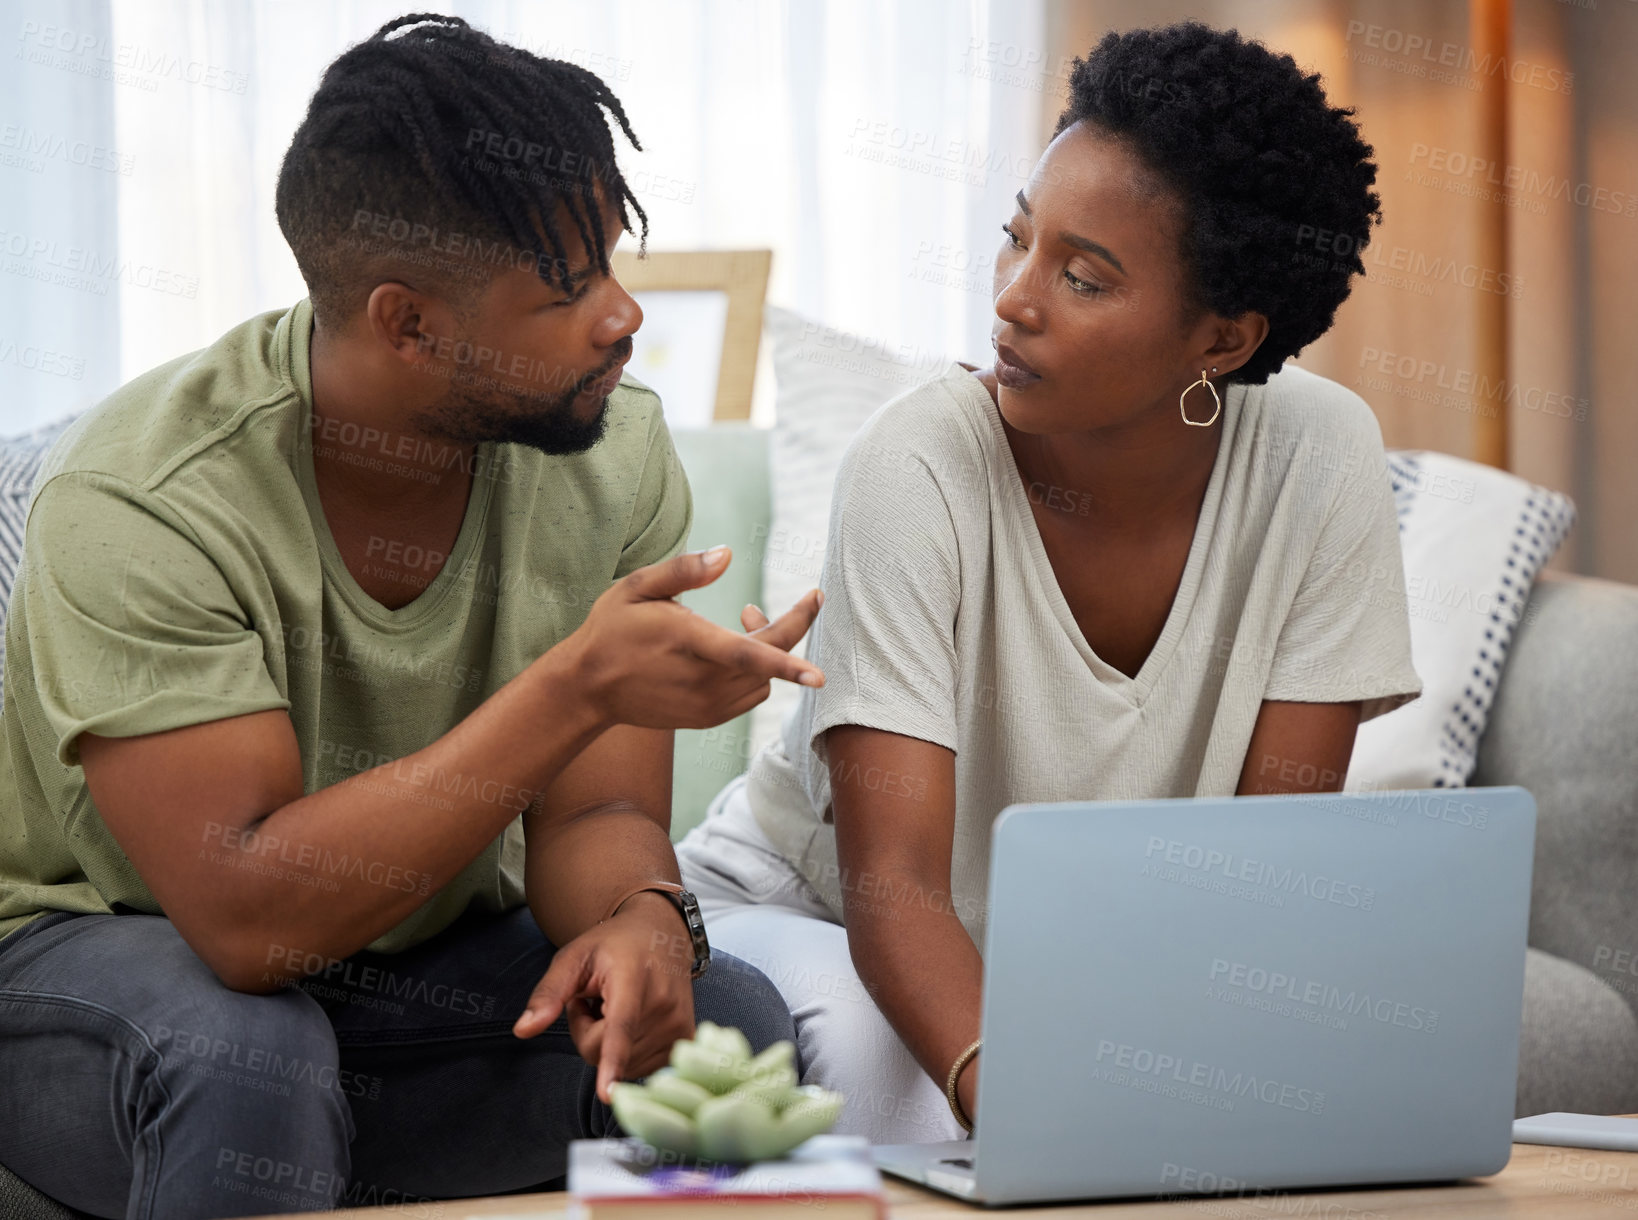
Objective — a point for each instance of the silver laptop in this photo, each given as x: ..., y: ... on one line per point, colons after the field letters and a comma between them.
x: 1244, y: 994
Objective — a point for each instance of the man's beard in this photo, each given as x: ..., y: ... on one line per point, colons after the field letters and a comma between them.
x: 548, y: 423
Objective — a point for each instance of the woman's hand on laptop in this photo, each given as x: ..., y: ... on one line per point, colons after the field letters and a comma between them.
x: 644, y: 659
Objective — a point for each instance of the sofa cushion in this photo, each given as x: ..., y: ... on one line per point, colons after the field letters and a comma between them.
x: 20, y: 458
x: 1565, y: 726
x: 1472, y: 539
x: 1579, y: 1047
x: 727, y: 467
x: 829, y: 382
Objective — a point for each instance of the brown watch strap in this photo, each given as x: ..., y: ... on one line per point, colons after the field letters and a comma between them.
x: 666, y: 887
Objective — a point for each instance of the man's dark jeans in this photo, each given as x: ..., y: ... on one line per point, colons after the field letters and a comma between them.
x: 133, y: 1083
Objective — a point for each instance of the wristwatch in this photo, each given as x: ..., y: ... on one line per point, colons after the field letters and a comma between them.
x: 688, y: 906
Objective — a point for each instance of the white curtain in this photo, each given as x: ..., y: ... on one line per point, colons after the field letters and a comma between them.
x: 59, y: 193
x: 872, y: 146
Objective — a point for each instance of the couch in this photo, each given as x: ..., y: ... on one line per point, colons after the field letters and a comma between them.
x: 1564, y: 725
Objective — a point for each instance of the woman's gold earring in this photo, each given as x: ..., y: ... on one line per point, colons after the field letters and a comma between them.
x: 1183, y: 407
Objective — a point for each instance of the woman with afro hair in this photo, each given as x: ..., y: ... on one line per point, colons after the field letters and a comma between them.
x: 1139, y: 556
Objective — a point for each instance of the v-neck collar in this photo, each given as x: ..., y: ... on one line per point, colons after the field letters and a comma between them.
x: 296, y: 340
x: 1134, y: 687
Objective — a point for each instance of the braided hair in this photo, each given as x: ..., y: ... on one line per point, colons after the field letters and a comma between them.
x: 1262, y: 164
x: 433, y: 153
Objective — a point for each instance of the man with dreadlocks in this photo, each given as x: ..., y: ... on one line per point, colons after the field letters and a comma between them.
x: 340, y: 689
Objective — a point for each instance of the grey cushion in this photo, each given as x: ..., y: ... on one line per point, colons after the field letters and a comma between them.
x: 1565, y: 726
x: 1579, y: 1047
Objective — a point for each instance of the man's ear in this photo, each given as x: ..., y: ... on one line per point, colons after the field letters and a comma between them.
x: 407, y: 322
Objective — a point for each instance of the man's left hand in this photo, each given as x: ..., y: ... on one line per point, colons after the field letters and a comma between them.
x: 626, y: 988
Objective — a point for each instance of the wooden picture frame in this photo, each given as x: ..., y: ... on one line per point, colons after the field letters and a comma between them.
x: 743, y: 276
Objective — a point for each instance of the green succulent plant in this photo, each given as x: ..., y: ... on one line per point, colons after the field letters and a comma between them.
x: 719, y: 1102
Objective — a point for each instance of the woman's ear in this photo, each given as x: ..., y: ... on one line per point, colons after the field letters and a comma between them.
x: 1234, y: 341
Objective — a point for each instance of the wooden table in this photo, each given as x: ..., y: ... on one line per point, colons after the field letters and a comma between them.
x: 1539, y: 1183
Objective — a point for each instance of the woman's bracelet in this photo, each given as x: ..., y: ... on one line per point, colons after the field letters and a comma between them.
x: 962, y: 1060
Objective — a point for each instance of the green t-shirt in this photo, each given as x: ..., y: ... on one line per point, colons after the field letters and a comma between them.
x: 178, y: 568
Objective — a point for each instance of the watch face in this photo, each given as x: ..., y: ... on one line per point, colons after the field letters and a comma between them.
x: 696, y: 931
